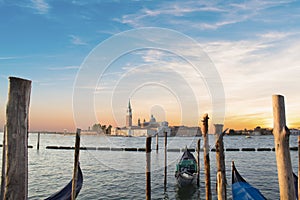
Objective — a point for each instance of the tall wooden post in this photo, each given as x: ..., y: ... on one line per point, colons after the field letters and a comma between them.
x: 220, y: 158
x: 298, y: 168
x: 206, y: 157
x: 3, y: 164
x: 148, y: 168
x: 17, y: 115
x: 166, y: 158
x: 156, y: 142
x: 76, y: 163
x: 198, y: 162
x: 281, y: 138
x: 38, y: 142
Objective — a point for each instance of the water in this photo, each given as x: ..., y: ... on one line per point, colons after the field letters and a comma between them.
x: 121, y: 175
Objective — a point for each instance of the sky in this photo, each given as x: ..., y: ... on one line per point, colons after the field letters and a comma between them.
x: 174, y: 59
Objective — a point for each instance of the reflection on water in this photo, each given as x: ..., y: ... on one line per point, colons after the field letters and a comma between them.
x: 121, y: 175
x: 188, y: 192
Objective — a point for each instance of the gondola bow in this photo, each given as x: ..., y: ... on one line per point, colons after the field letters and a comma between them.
x: 241, y: 190
x: 66, y: 192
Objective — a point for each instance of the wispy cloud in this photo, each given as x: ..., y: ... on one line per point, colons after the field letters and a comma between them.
x: 63, y: 68
x: 8, y: 58
x: 41, y: 6
x: 275, y: 35
x: 77, y: 40
x: 183, y: 13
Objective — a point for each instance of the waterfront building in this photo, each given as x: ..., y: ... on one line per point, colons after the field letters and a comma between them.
x: 146, y: 128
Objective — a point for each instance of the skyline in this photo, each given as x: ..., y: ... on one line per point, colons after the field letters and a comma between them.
x: 252, y: 45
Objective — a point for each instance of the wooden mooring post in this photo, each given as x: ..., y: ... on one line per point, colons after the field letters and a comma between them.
x: 208, y: 194
x: 198, y: 162
x: 166, y: 158
x: 156, y: 142
x: 76, y: 163
x: 38, y: 142
x: 148, y: 168
x: 17, y: 115
x: 3, y: 164
x: 298, y: 167
x: 220, y: 158
x: 281, y: 138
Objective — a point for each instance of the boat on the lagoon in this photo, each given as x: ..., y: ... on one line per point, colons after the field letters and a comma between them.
x: 186, y: 170
x: 66, y: 192
x: 241, y: 190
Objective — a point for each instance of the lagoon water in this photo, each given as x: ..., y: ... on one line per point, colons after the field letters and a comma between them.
x: 121, y: 175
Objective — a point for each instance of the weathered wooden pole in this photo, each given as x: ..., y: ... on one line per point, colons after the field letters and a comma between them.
x: 38, y: 142
x: 17, y: 115
x: 166, y: 158
x: 198, y: 162
x: 3, y: 164
x: 220, y: 158
x: 156, y: 142
x: 206, y: 157
x: 76, y: 163
x: 148, y: 168
x: 281, y: 138
x: 298, y: 167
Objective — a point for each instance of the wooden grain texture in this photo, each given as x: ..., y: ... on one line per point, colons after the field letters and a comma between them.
x: 206, y: 157
x: 281, y: 138
x: 76, y: 163
x: 220, y: 159
x: 17, y: 115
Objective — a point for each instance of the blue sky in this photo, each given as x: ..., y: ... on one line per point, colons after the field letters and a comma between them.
x: 253, y: 45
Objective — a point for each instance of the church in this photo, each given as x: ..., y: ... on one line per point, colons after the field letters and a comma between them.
x: 145, y: 128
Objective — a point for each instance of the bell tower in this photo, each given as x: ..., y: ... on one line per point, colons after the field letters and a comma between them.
x: 129, y: 115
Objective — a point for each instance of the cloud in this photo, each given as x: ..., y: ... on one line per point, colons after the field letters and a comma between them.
x: 201, y: 15
x: 7, y: 58
x: 275, y: 35
x: 41, y: 6
x: 63, y: 68
x: 77, y: 40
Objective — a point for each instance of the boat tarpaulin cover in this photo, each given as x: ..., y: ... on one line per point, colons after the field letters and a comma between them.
x: 241, y: 190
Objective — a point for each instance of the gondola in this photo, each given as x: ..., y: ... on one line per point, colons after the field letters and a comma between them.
x: 186, y: 170
x: 66, y: 192
x: 241, y: 190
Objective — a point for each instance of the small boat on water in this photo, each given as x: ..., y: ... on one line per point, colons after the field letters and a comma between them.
x: 66, y: 192
x: 186, y: 170
x: 241, y: 190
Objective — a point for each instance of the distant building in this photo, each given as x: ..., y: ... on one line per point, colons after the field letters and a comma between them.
x: 149, y: 128
x: 129, y: 115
